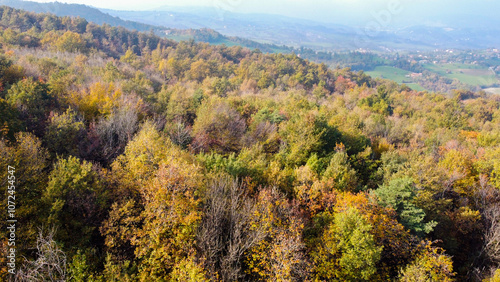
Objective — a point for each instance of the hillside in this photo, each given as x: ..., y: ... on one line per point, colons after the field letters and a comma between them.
x: 131, y: 157
x: 76, y: 10
x: 168, y: 30
x: 264, y: 26
x: 452, y: 33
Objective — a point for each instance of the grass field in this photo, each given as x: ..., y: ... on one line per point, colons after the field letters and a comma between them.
x: 391, y: 73
x: 416, y: 87
x: 395, y: 74
x: 469, y: 74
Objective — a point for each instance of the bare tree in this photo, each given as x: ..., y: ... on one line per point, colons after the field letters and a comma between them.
x: 488, y: 197
x: 50, y: 264
x: 179, y: 133
x: 116, y: 131
x: 225, y: 233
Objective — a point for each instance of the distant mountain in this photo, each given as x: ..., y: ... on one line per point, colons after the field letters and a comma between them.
x: 451, y: 37
x: 169, y: 30
x: 274, y: 33
x: 452, y: 32
x: 76, y: 10
x: 263, y: 28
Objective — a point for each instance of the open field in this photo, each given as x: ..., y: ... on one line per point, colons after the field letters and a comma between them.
x: 415, y: 86
x: 391, y: 73
x: 469, y: 74
x: 395, y: 74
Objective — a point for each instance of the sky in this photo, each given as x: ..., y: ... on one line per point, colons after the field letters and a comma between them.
x: 351, y: 12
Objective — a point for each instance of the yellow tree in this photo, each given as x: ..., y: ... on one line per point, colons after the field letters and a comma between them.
x: 431, y: 264
x: 280, y: 255
x: 170, y: 218
x: 71, y: 42
x: 99, y: 100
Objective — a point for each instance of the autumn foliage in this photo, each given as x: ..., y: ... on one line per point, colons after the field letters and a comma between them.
x: 144, y: 159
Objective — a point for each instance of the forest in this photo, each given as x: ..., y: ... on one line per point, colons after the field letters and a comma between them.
x: 138, y: 158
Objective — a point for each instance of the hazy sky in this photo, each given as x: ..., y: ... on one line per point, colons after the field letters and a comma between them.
x: 358, y: 12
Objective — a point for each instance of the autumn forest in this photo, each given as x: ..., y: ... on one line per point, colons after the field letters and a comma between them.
x: 138, y: 158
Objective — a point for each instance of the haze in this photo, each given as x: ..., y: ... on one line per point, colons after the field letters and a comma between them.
x: 348, y: 12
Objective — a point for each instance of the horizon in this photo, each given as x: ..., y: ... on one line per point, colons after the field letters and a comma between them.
x: 388, y: 13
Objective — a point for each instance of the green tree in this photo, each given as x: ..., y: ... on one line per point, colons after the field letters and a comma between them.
x: 301, y: 136
x: 340, y: 174
x: 399, y: 194
x: 77, y: 200
x: 9, y: 121
x: 347, y: 250
x: 29, y: 160
x: 33, y: 101
x: 64, y: 133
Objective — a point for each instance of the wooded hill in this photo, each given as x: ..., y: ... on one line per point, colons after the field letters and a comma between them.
x: 141, y: 159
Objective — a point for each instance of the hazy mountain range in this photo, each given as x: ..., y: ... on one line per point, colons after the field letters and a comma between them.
x: 295, y: 32
x: 452, y: 32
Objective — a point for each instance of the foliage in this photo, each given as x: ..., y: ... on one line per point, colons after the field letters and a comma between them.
x: 340, y: 174
x: 166, y: 161
x: 33, y: 101
x: 399, y: 194
x: 76, y: 200
x: 170, y: 218
x: 64, y: 133
x: 430, y: 265
x: 348, y: 251
x: 218, y: 127
x: 30, y: 162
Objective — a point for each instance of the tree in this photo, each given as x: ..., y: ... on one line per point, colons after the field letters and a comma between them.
x: 430, y: 265
x: 218, y: 127
x: 50, y: 265
x: 180, y: 103
x: 30, y: 162
x: 396, y: 242
x: 170, y: 217
x: 9, y: 121
x: 114, y: 132
x: 143, y: 156
x: 280, y: 255
x: 188, y: 271
x: 130, y: 57
x: 399, y: 194
x: 99, y: 100
x: 227, y: 229
x: 199, y: 70
x: 33, y: 101
x: 494, y: 277
x: 265, y: 81
x: 347, y: 250
x: 340, y: 174
x: 491, y: 214
x: 179, y: 133
x: 71, y: 42
x: 77, y: 201
x: 300, y: 137
x: 64, y: 133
